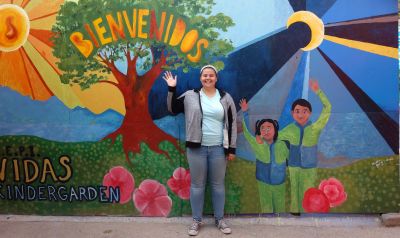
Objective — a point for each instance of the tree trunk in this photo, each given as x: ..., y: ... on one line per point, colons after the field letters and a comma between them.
x: 138, y: 126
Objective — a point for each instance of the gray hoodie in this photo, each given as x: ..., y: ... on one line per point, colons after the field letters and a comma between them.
x: 189, y: 103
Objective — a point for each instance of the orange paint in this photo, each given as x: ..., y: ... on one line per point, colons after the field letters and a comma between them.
x: 178, y: 33
x: 156, y: 32
x: 91, y: 34
x: 13, y: 62
x: 84, y: 46
x: 116, y: 29
x: 101, y: 31
x: 189, y: 40
x: 196, y: 58
x: 39, y: 88
x: 43, y: 35
x: 142, y: 23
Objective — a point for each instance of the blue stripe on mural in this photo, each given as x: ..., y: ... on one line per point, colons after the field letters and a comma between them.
x: 374, y: 74
x: 295, y: 92
x: 268, y: 102
x: 349, y: 134
x: 344, y: 10
x: 387, y: 127
x: 319, y: 7
x: 298, y: 5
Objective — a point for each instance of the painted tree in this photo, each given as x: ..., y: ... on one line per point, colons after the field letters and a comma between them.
x: 145, y: 58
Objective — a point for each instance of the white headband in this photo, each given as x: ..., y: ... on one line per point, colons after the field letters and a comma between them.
x: 208, y: 66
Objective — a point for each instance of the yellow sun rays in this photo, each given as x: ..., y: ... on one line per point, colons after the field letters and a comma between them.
x: 317, y: 36
x: 31, y: 68
x: 364, y: 46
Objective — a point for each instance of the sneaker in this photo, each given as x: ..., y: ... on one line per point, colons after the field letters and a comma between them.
x: 222, y: 226
x: 194, y: 228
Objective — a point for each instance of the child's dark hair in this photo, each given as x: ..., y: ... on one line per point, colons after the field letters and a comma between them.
x: 302, y: 102
x: 273, y: 122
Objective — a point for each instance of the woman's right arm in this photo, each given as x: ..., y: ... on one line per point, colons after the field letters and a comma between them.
x: 175, y: 105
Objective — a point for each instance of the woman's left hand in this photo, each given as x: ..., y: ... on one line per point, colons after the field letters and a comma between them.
x: 230, y: 157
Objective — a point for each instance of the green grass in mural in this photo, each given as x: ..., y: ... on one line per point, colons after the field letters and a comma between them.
x: 372, y: 184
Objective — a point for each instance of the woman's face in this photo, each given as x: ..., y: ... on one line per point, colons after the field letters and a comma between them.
x: 208, y: 78
x: 267, y: 131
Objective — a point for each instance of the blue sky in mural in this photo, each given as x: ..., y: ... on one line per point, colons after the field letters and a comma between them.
x: 319, y: 7
x: 344, y: 10
x: 62, y: 124
x: 347, y: 120
x: 296, y: 91
x: 254, y: 18
x: 372, y: 73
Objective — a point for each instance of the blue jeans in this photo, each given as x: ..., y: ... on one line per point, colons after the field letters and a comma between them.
x: 205, y: 160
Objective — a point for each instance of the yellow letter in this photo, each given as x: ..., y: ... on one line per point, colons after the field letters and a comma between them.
x: 114, y: 27
x: 177, y: 34
x: 91, y: 34
x: 65, y: 162
x: 100, y: 31
x: 3, y: 169
x: 26, y: 169
x: 131, y: 27
x: 171, y: 17
x: 47, y: 168
x: 84, y: 46
x: 16, y: 170
x: 189, y: 40
x: 142, y: 23
x: 197, y: 57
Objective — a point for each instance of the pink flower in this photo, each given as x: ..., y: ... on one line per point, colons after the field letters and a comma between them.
x: 179, y: 183
x: 122, y: 178
x: 334, y: 191
x: 315, y: 201
x: 151, y: 199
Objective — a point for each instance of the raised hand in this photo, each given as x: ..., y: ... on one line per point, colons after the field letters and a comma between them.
x: 243, y: 105
x: 314, y: 85
x: 170, y: 79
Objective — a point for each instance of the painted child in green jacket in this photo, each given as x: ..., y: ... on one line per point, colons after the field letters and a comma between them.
x: 271, y: 155
x: 303, y: 138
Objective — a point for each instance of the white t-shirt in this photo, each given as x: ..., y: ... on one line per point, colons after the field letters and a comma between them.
x: 213, y: 119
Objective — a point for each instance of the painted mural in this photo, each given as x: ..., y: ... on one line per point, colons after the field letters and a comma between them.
x: 85, y: 129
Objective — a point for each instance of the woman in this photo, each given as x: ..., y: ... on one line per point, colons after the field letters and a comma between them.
x: 210, y: 118
x: 271, y: 155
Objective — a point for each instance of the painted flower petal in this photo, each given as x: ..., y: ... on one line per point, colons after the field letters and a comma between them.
x: 174, y: 185
x: 334, y: 191
x: 140, y: 199
x: 179, y: 183
x: 151, y: 199
x: 161, y: 206
x: 179, y: 173
x: 119, y: 177
x: 315, y: 201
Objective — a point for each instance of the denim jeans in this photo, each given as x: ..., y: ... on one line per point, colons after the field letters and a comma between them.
x: 203, y: 161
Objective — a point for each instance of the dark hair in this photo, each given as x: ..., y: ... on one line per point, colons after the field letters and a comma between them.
x: 302, y: 102
x: 273, y: 122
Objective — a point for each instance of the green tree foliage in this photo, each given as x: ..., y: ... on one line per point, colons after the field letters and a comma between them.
x: 140, y: 54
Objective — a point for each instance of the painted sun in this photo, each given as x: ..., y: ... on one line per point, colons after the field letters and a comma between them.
x: 27, y: 64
